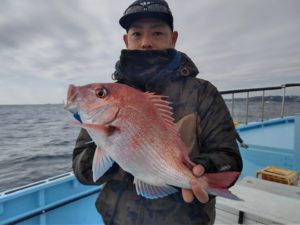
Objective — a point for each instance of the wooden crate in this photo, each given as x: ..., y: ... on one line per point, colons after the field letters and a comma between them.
x: 278, y: 175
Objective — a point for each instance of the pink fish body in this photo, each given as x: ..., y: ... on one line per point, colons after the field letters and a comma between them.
x: 136, y: 130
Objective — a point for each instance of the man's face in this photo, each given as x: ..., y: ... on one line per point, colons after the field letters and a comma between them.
x: 150, y: 34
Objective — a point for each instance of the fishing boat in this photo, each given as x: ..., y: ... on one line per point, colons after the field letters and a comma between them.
x: 268, y: 186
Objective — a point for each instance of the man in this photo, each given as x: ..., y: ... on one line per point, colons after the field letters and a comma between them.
x: 151, y: 63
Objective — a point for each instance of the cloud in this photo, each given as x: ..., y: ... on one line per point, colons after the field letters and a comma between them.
x: 248, y: 39
x: 55, y: 42
x: 45, y: 45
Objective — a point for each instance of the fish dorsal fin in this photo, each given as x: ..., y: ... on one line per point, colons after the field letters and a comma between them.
x: 164, y: 110
x: 101, y: 163
x: 152, y: 191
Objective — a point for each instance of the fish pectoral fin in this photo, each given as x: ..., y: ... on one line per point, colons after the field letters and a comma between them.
x: 105, y: 130
x: 151, y: 191
x: 101, y: 163
x: 223, y: 192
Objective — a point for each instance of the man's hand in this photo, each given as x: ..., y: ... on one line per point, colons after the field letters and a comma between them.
x: 198, y: 187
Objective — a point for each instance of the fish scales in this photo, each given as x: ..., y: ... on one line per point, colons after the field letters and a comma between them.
x: 161, y: 167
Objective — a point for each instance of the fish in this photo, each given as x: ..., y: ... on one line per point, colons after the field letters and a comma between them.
x: 136, y: 130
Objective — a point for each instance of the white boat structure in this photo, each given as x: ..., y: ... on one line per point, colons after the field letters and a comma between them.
x: 272, y: 153
x: 271, y: 144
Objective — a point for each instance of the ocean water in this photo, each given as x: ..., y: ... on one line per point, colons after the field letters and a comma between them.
x: 257, y: 112
x: 37, y: 141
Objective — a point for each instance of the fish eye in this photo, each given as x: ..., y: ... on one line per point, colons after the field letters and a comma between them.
x: 101, y: 92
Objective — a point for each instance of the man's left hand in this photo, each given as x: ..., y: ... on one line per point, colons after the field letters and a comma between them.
x: 198, y: 186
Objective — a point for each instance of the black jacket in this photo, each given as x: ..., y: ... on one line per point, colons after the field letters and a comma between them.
x: 205, y: 126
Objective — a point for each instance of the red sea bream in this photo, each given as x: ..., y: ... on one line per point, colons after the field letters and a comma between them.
x: 136, y: 130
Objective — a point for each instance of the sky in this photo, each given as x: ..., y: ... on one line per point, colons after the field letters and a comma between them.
x: 47, y: 45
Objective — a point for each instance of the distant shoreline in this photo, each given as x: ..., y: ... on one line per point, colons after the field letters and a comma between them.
x: 38, y: 104
x: 273, y: 98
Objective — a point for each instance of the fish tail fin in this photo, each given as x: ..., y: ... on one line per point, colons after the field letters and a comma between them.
x: 223, y: 192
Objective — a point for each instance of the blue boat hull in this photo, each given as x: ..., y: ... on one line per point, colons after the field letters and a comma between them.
x: 59, y: 200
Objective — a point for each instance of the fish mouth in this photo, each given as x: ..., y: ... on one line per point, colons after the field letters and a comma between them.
x: 72, y: 102
x: 71, y: 105
x: 73, y: 109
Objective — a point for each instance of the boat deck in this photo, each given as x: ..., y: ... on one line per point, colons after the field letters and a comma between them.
x: 264, y: 134
x: 263, y: 202
x: 270, y: 143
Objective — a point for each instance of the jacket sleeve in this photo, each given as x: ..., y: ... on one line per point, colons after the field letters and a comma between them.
x: 83, y: 160
x: 216, y: 133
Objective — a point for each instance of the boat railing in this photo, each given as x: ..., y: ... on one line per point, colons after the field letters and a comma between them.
x: 259, y: 93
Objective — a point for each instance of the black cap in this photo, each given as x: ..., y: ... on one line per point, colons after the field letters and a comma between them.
x: 144, y: 9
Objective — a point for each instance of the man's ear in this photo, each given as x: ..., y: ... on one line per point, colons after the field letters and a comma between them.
x: 125, y: 39
x: 174, y: 38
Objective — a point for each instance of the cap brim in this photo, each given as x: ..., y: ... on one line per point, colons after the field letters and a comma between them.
x: 127, y: 20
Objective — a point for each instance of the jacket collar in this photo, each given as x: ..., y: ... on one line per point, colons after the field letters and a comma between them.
x: 141, y: 68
